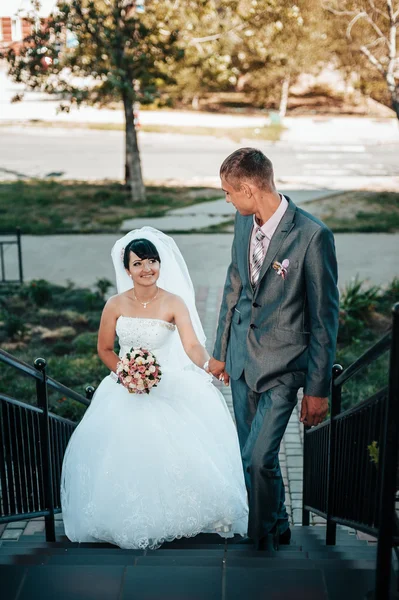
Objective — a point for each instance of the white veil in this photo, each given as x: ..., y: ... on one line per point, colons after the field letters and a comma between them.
x: 174, y: 277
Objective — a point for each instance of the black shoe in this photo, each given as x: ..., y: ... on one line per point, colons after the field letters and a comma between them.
x: 285, y: 538
x: 274, y: 540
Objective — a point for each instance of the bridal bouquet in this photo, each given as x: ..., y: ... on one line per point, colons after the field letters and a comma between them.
x: 138, y: 371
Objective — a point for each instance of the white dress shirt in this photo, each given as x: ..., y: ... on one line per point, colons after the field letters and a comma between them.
x: 267, y: 228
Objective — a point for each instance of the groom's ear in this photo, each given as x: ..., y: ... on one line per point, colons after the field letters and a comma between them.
x: 246, y: 189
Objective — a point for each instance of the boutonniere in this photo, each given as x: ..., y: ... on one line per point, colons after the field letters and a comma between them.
x: 281, y: 268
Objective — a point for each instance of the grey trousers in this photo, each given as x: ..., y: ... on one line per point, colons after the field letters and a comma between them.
x: 261, y: 422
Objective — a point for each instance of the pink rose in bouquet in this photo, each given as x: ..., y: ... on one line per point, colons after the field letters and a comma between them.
x: 138, y: 371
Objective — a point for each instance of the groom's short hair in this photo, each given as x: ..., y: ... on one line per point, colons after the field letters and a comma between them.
x: 248, y: 163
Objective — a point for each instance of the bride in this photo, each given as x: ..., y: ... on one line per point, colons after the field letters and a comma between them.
x: 140, y: 470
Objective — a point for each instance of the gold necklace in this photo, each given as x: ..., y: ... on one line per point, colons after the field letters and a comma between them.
x: 148, y: 301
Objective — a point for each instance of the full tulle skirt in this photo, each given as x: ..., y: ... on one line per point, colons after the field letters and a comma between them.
x: 140, y: 470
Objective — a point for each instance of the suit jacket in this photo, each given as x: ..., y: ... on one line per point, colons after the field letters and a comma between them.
x: 284, y: 330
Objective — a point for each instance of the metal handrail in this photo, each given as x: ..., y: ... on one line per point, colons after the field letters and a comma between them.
x: 368, y: 357
x: 45, y: 419
x: 29, y: 371
x: 36, y: 409
x: 17, y: 243
x: 387, y: 424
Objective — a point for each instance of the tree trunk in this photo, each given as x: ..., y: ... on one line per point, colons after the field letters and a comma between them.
x: 394, y: 89
x: 284, y: 96
x: 133, y: 174
x: 195, y: 103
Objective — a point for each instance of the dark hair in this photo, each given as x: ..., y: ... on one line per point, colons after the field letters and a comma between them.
x: 248, y: 163
x: 143, y: 248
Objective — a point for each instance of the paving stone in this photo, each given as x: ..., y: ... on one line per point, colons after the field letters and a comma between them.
x: 296, y: 486
x: 294, y: 452
x: 294, y: 461
x: 296, y: 496
x: 297, y: 515
x: 12, y: 534
x: 16, y: 525
x: 295, y: 476
x: 33, y: 527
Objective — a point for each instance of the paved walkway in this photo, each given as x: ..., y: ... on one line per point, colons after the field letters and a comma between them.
x: 215, y: 212
x: 85, y: 258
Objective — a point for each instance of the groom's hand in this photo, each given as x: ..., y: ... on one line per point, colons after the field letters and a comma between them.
x: 313, y: 410
x: 217, y: 368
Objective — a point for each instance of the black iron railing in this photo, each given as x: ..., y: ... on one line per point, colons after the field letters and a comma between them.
x: 32, y: 445
x: 9, y: 242
x: 341, y: 482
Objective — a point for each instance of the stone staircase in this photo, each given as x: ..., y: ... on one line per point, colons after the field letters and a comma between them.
x: 201, y: 568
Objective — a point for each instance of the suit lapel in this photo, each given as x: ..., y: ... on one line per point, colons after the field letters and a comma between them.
x: 247, y: 241
x: 283, y: 229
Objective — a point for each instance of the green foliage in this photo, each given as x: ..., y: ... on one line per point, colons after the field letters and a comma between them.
x: 14, y: 326
x: 357, y: 301
x: 364, y: 317
x: 363, y: 38
x: 85, y: 343
x: 40, y: 292
x: 102, y: 286
x: 85, y: 207
x: 374, y: 452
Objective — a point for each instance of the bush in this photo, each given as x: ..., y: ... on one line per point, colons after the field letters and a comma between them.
x: 86, y: 343
x: 62, y: 348
x: 14, y: 326
x: 93, y: 301
x: 40, y: 292
x: 103, y: 285
x: 349, y: 327
x: 359, y: 303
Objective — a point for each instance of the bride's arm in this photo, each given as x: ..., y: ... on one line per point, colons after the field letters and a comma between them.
x: 106, y: 335
x: 194, y: 350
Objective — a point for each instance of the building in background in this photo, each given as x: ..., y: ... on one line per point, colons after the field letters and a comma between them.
x: 14, y: 26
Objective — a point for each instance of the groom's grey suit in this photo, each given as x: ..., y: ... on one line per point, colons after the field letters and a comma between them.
x: 276, y: 338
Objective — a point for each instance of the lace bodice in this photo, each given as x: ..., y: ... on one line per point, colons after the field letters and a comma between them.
x: 153, y: 334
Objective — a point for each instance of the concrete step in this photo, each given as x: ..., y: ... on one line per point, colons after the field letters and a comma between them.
x: 119, y: 582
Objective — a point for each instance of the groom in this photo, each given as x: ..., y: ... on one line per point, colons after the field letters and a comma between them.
x: 277, y: 328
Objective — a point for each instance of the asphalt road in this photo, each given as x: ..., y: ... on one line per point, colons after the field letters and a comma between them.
x: 93, y: 155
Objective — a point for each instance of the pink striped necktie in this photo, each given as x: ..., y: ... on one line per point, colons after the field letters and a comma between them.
x: 258, y: 256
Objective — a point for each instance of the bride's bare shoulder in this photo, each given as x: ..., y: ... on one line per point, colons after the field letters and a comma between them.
x: 173, y: 301
x: 114, y: 303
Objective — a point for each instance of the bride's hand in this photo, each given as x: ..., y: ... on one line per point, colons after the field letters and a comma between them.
x: 225, y: 377
x: 216, y: 367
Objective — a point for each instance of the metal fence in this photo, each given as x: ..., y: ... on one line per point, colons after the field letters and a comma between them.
x: 32, y: 446
x: 341, y: 481
x: 3, y: 271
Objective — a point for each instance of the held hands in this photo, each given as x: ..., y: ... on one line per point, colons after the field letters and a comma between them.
x: 217, y: 368
x: 313, y: 410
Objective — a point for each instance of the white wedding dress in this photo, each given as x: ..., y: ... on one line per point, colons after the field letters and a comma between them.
x: 140, y: 470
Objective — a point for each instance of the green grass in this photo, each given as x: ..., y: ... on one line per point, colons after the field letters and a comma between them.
x: 267, y: 132
x: 359, y: 212
x: 51, y: 207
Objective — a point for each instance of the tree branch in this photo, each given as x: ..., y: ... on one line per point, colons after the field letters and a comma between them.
x: 390, y: 11
x: 364, y: 15
x: 377, y: 10
x: 374, y: 61
x: 337, y: 12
